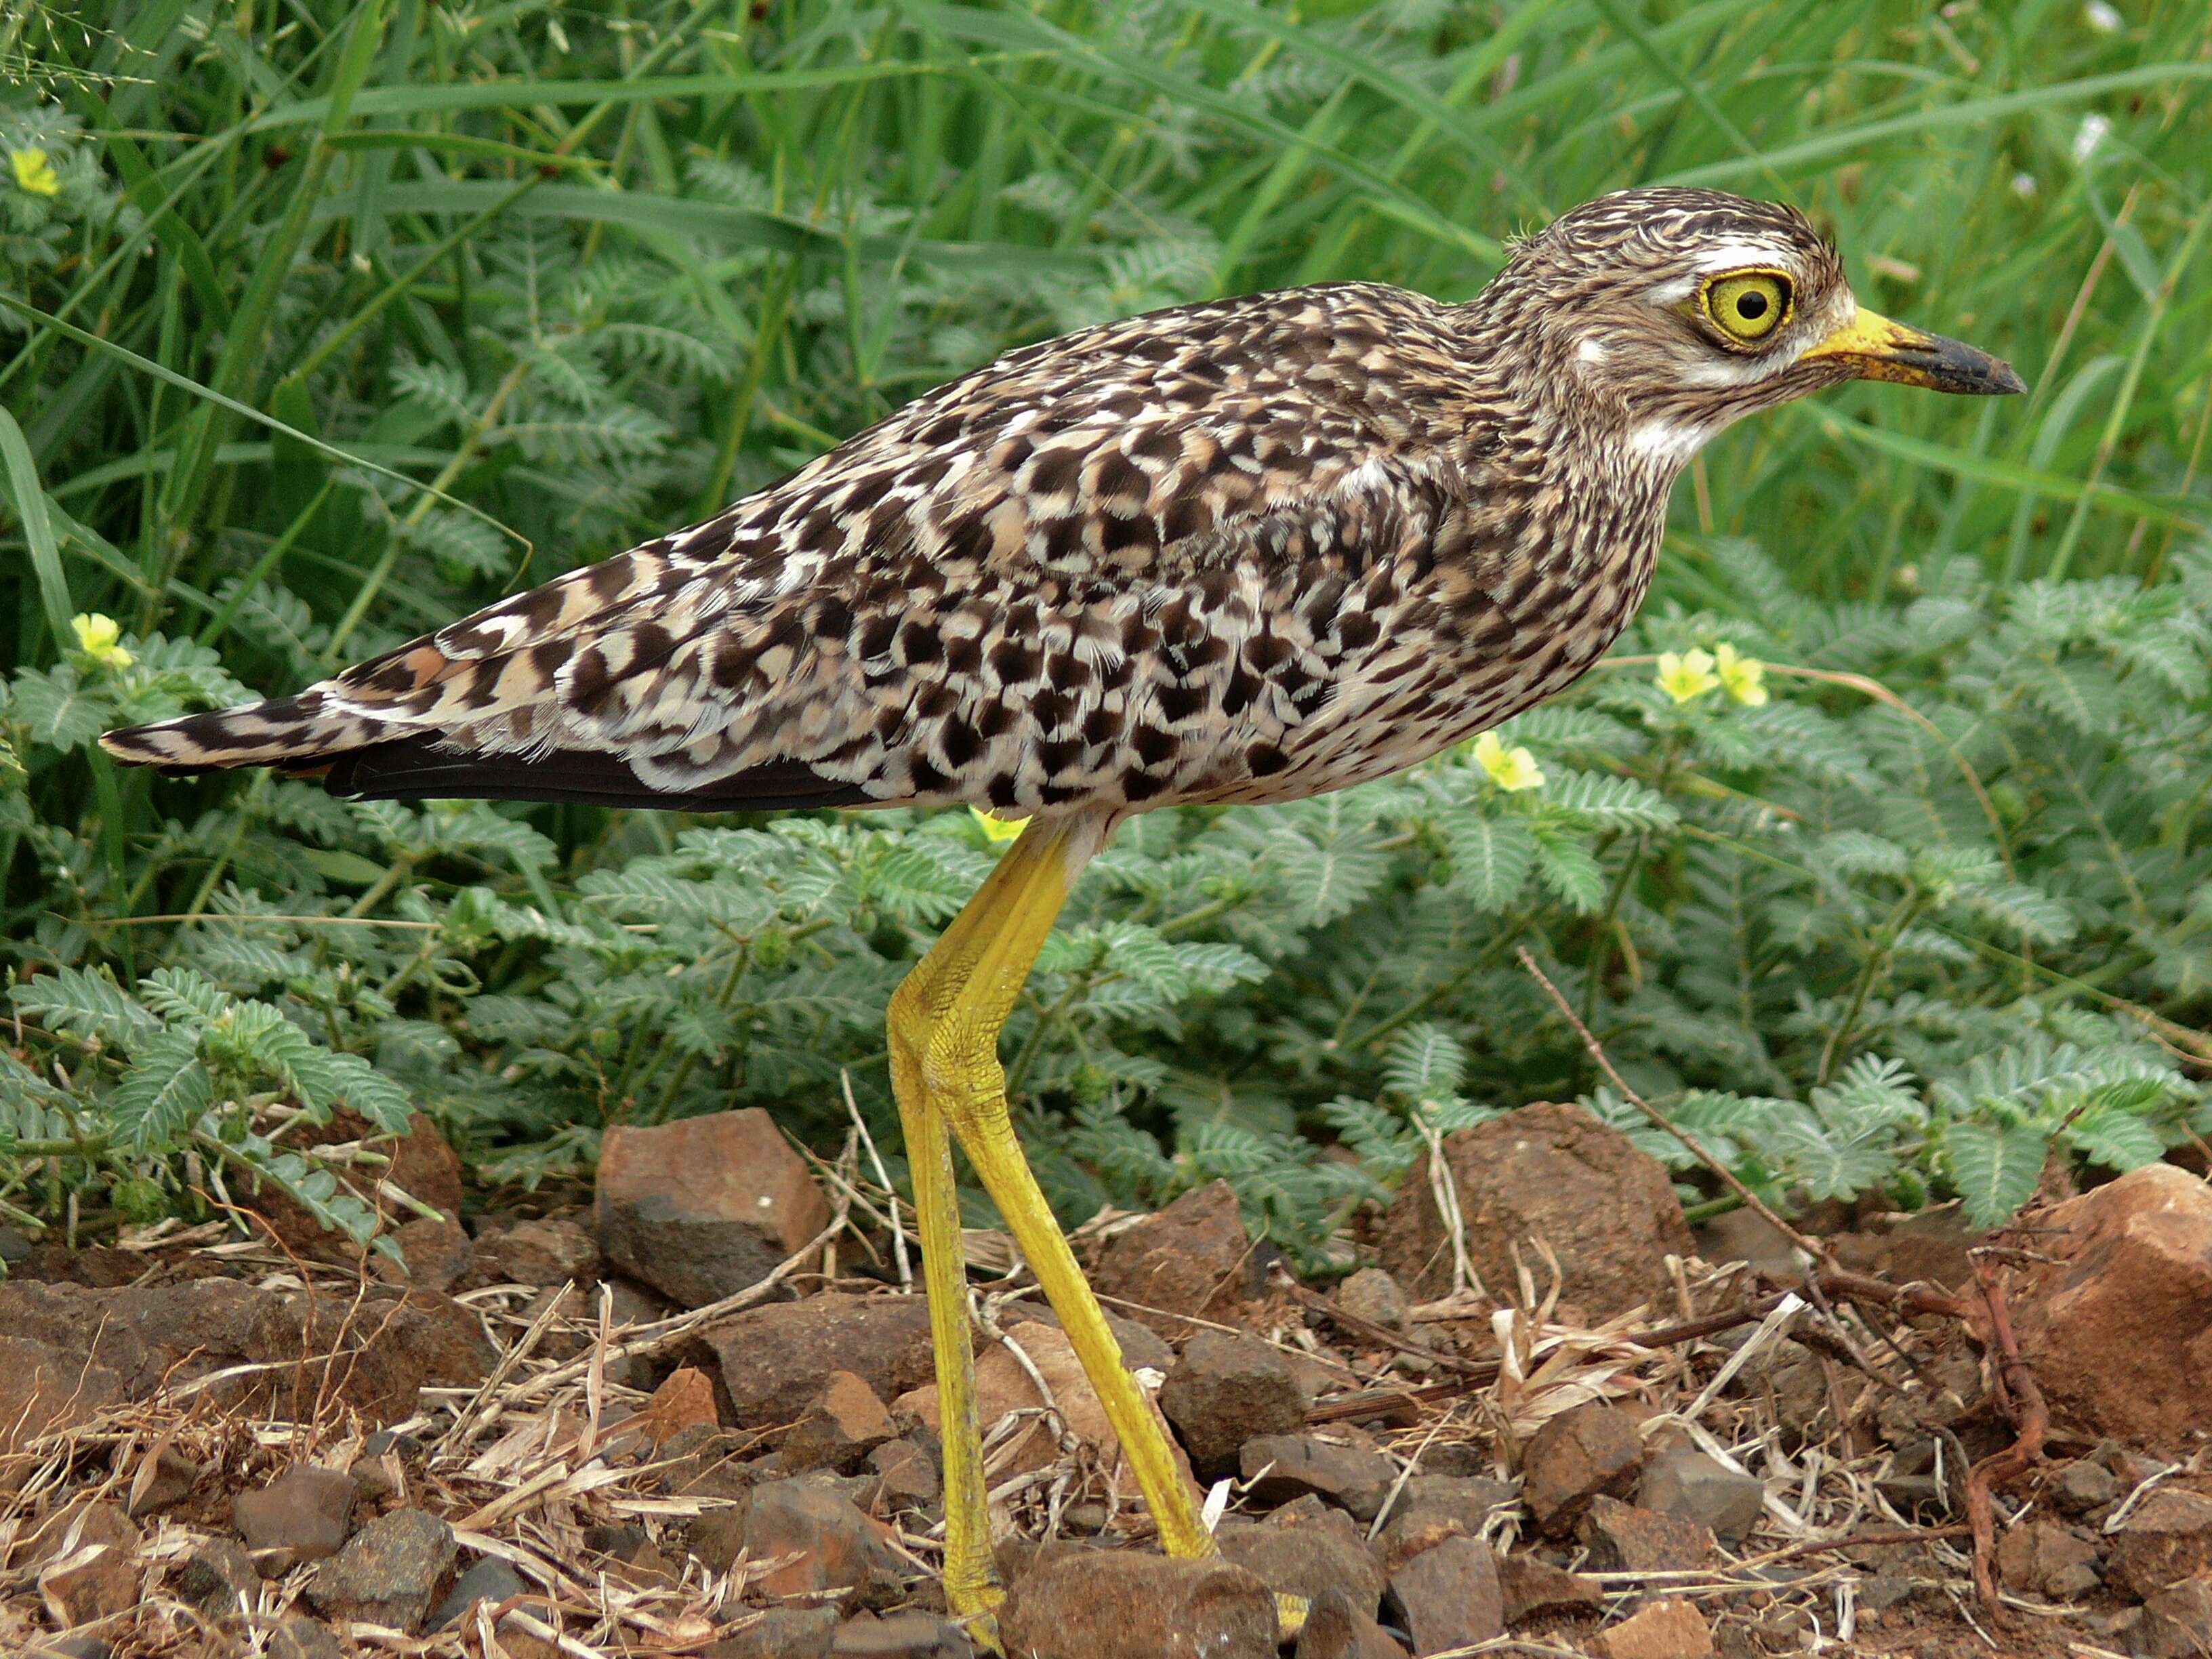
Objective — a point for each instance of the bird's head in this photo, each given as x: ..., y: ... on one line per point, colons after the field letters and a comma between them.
x: 1684, y: 310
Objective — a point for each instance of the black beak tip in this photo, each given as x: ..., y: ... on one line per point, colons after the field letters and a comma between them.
x: 2004, y: 379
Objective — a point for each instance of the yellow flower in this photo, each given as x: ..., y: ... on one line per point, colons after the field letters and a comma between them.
x: 34, y: 172
x: 1511, y: 769
x: 100, y: 639
x: 1686, y: 675
x: 1744, y: 677
x: 998, y: 829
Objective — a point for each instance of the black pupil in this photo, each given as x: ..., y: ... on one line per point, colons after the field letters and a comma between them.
x: 1751, y: 307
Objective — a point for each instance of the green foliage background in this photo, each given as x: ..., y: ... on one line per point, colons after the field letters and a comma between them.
x: 322, y: 324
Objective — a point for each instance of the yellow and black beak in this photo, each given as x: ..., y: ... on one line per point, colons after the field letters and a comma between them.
x: 1876, y: 349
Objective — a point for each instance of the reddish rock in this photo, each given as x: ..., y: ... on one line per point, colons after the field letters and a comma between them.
x: 835, y: 1546
x: 1665, y: 1630
x: 775, y: 1359
x: 1225, y: 1390
x: 701, y: 1207
x: 1113, y: 1604
x: 843, y: 1424
x: 2044, y: 1559
x: 2117, y: 1327
x: 2166, y: 1538
x: 303, y: 1515
x: 1191, y: 1258
x: 1626, y: 1538
x: 1430, y: 1505
x: 1533, y: 1585
x: 1579, y: 1453
x: 684, y: 1401
x: 1373, y: 1296
x: 1449, y: 1594
x: 1546, y: 1172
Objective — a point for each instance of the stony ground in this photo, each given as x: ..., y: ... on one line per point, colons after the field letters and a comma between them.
x: 696, y: 1418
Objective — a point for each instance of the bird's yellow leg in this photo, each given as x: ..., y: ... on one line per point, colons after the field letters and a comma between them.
x: 944, y: 1025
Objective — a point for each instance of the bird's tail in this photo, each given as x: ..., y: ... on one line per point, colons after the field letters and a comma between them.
x: 301, y: 733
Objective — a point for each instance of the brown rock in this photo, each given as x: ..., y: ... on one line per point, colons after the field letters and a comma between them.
x: 423, y: 1165
x: 1665, y: 1630
x: 1430, y: 1505
x: 302, y: 1637
x: 1333, y: 1630
x: 1191, y: 1258
x: 436, y: 1254
x: 1003, y: 1384
x: 1626, y: 1538
x: 1549, y: 1172
x: 44, y: 1389
x: 1533, y: 1585
x: 2120, y: 1321
x: 845, y: 1424
x: 837, y: 1546
x: 219, y: 1579
x: 907, y: 1477
x: 701, y: 1207
x: 1111, y: 1604
x: 165, y: 1476
x: 100, y: 1586
x: 1373, y: 1296
x: 1225, y: 1390
x: 547, y: 1253
x: 383, y: 1350
x: 782, y: 1633
x: 1577, y: 1455
x: 2166, y: 1537
x: 393, y: 1572
x: 2044, y: 1559
x: 1284, y: 1467
x: 2177, y: 1622
x: 303, y: 1515
x: 685, y: 1398
x: 2083, y: 1485
x: 1449, y: 1594
x: 911, y: 1634
x: 775, y: 1359
x: 1326, y: 1553
x: 490, y: 1579
x: 1690, y: 1486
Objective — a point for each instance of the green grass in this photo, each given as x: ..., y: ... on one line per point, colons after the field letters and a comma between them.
x: 342, y: 320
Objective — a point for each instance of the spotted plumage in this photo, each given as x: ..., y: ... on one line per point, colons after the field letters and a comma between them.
x: 1244, y: 550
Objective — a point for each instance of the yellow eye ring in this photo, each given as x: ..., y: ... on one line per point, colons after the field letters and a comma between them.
x: 1747, y: 306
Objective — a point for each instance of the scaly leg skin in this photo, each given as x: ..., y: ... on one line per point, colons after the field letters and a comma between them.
x: 944, y: 1024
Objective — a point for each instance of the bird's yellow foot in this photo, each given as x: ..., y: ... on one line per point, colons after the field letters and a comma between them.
x: 1290, y: 1615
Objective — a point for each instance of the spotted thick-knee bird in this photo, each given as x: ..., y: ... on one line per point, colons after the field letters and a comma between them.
x: 1245, y: 551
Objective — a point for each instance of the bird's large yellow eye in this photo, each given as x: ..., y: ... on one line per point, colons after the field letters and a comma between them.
x: 1748, y: 306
